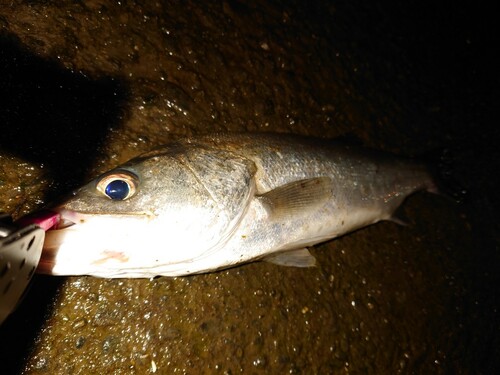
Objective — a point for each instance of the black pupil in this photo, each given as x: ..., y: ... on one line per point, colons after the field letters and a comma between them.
x: 117, y: 189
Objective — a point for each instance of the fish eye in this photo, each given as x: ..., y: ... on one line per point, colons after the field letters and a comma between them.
x: 118, y: 185
x: 117, y: 189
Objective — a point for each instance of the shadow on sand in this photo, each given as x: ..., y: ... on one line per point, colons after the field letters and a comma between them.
x: 57, y: 118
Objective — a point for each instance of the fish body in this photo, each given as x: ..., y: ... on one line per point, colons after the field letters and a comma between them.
x: 211, y: 202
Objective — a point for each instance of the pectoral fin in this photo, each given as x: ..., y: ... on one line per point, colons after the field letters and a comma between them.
x: 298, y: 197
x: 293, y: 258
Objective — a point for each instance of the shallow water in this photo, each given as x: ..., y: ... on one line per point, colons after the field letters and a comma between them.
x: 93, y: 84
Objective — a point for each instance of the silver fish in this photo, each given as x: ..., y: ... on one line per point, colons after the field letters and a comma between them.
x: 211, y: 202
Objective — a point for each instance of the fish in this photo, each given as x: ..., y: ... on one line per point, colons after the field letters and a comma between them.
x: 205, y: 203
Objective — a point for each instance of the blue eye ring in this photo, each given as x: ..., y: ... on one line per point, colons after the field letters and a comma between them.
x: 118, y: 185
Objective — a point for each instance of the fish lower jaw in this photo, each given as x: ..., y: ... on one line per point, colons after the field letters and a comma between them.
x: 99, y: 251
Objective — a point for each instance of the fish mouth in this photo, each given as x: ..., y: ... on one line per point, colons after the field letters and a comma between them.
x: 68, y: 221
x: 74, y: 240
x: 45, y: 219
x: 52, y: 219
x: 67, y: 218
x: 54, y: 222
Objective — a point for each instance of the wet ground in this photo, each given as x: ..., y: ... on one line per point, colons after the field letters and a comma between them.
x: 86, y: 85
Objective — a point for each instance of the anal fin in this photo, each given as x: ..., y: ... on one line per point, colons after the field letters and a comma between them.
x: 399, y: 217
x: 292, y: 258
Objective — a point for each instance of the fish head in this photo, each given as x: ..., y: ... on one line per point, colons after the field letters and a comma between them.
x: 146, y: 215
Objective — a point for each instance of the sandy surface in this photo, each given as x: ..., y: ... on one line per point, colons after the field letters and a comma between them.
x: 87, y: 85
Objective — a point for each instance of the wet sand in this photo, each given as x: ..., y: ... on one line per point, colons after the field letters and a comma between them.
x: 88, y: 85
